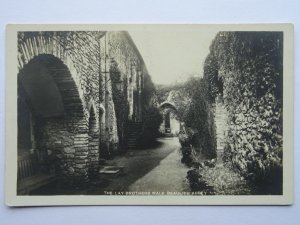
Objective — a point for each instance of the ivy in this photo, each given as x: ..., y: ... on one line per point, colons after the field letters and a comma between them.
x: 246, y: 69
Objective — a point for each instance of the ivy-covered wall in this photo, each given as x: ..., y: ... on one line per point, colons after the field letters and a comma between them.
x: 133, y: 89
x: 246, y: 69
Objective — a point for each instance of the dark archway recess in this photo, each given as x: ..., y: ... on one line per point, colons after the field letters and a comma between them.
x: 49, y: 110
x: 50, y: 87
x: 167, y: 123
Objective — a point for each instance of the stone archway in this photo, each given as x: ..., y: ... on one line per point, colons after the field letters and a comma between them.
x: 59, y: 131
x: 171, y: 123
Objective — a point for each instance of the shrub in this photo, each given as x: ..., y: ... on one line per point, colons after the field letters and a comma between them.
x: 199, y: 117
x: 151, y: 124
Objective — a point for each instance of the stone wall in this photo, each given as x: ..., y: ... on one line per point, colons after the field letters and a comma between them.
x: 221, y: 123
x: 132, y: 70
x: 128, y: 71
x: 80, y: 67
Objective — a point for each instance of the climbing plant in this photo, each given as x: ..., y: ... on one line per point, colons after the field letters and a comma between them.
x: 121, y: 105
x: 199, y: 117
x: 151, y: 124
x: 246, y: 69
x: 195, y: 111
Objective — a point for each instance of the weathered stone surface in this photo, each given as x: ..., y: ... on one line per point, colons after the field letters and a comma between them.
x: 81, y: 158
x: 73, y: 61
x: 82, y: 148
x: 80, y: 166
x: 82, y: 153
x: 81, y: 161
x: 69, y: 150
x: 69, y: 156
x: 71, y: 170
x: 94, y: 152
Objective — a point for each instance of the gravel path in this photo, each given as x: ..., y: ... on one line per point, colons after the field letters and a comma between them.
x: 168, y: 176
x: 156, y: 169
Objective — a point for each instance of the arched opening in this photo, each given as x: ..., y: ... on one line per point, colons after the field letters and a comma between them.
x: 167, y: 123
x: 50, y: 123
x: 171, y: 122
x: 93, y: 145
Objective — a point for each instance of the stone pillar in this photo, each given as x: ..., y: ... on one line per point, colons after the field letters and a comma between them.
x: 93, y: 162
x: 81, y: 158
x: 131, y: 88
x: 140, y: 74
x: 221, y: 118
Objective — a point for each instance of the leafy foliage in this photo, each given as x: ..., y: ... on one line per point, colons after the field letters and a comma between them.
x: 218, y: 180
x: 194, y: 110
x: 120, y: 102
x: 151, y: 124
x: 246, y: 69
x: 198, y: 116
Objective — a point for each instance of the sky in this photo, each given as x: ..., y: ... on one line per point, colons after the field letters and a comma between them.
x: 173, y: 53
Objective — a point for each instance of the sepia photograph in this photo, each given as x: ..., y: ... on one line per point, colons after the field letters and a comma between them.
x: 149, y: 114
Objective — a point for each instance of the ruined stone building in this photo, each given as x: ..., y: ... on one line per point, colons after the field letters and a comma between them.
x: 78, y: 95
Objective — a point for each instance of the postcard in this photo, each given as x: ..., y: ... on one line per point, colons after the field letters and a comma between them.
x: 144, y: 114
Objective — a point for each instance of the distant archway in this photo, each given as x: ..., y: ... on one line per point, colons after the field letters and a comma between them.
x: 167, y: 104
x: 171, y: 123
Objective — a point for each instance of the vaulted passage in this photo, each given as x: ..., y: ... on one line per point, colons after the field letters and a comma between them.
x: 51, y: 125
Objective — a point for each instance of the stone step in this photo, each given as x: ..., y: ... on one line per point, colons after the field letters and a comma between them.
x: 111, y: 170
x: 132, y: 147
x: 134, y: 129
x: 132, y: 136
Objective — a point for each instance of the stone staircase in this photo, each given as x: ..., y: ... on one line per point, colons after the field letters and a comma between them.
x: 134, y: 129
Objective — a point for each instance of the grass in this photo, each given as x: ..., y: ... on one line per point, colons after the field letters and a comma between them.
x: 224, y: 180
x: 215, y: 178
